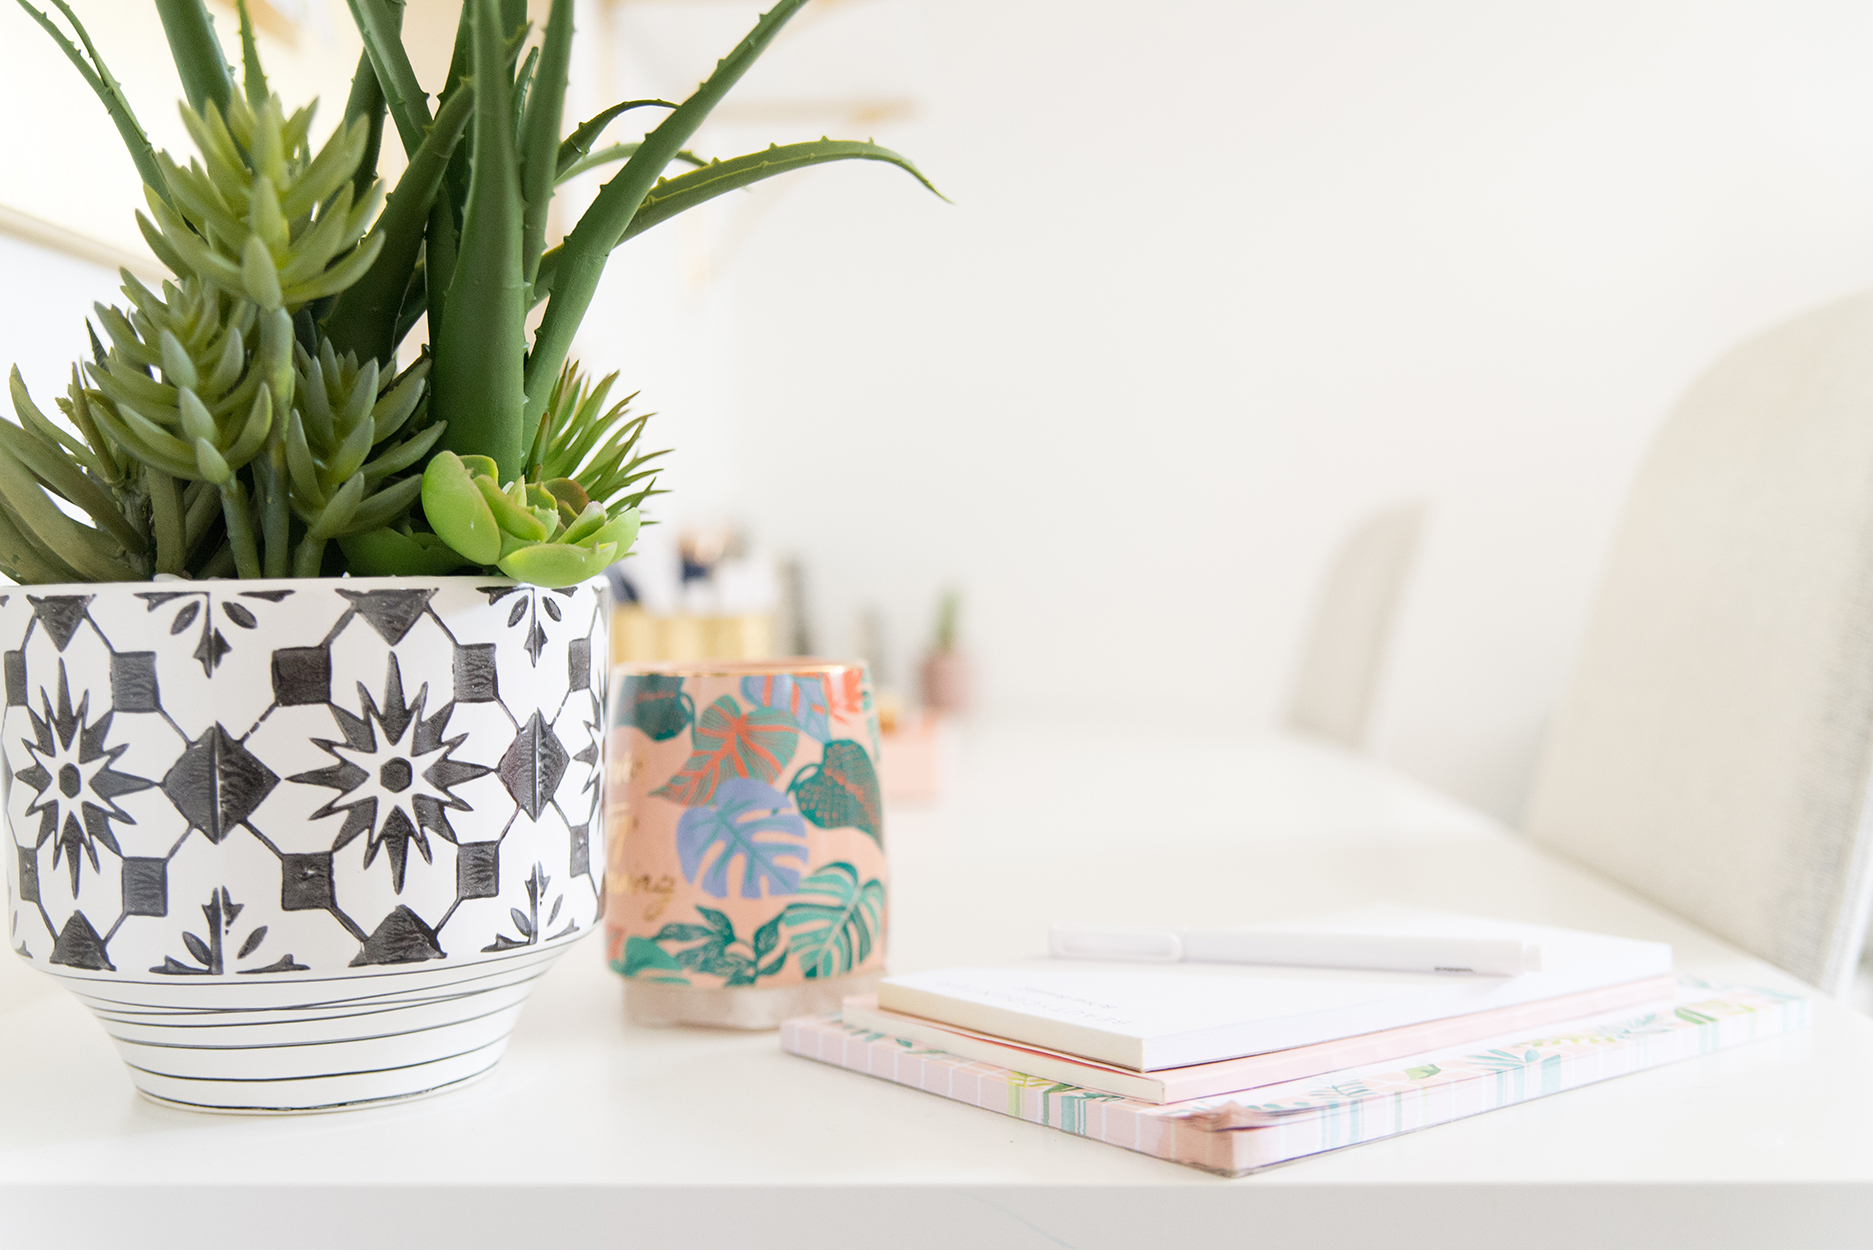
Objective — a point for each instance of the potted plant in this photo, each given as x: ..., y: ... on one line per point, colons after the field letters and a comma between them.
x: 304, y: 677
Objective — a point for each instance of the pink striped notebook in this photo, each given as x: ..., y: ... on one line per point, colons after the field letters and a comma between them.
x: 1238, y: 1133
x: 1230, y: 1075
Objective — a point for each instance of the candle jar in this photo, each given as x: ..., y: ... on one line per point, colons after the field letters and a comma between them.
x: 746, y: 879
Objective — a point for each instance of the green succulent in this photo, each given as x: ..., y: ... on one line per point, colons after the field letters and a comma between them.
x: 343, y: 459
x: 581, y: 439
x: 243, y: 218
x: 549, y: 533
x: 243, y: 418
x: 189, y: 389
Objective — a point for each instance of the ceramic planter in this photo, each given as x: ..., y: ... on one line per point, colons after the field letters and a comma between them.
x: 302, y: 845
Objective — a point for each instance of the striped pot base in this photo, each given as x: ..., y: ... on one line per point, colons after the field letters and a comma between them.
x: 371, y: 1039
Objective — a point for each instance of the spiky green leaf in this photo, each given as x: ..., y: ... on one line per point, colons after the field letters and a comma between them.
x: 200, y: 62
x: 598, y: 231
x: 479, y: 375
x: 98, y: 77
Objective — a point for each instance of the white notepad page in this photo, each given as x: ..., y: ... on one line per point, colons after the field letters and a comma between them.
x: 1152, y: 1016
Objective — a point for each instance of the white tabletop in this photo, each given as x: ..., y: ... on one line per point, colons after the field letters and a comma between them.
x: 590, y: 1128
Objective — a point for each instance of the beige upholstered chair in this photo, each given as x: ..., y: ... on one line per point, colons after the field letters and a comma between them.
x: 1715, y: 748
x: 1352, y: 626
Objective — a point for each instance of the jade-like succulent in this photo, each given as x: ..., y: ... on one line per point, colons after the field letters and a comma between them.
x: 549, y: 533
x: 243, y: 417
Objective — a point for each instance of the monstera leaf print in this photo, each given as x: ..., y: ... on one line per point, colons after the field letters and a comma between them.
x: 834, y: 933
x: 751, y: 822
x: 656, y: 704
x: 846, y: 692
x: 803, y: 698
x: 713, y: 949
x: 841, y: 791
x: 644, y: 960
x: 728, y: 744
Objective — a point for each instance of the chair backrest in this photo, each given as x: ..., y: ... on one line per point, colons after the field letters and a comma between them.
x: 1352, y: 626
x: 1715, y: 747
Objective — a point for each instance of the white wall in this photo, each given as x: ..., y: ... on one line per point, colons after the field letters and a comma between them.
x: 1219, y: 279
x: 1222, y: 277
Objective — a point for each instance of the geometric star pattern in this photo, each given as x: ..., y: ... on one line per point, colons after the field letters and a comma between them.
x: 269, y: 779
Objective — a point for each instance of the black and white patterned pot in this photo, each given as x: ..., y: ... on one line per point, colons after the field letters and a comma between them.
x: 302, y: 845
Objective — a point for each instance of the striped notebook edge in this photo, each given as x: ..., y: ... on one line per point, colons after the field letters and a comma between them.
x: 1235, y: 1134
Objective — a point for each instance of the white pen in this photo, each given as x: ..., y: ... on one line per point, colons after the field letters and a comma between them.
x: 1377, y: 951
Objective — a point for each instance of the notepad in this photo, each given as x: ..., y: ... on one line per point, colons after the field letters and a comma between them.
x: 1151, y: 1018
x: 1231, y: 1076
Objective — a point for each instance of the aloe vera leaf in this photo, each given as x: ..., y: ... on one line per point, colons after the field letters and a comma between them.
x: 200, y: 62
x: 415, y: 302
x: 98, y: 77
x: 380, y: 25
x: 90, y: 554
x: 23, y: 560
x: 478, y: 380
x: 366, y: 104
x: 621, y: 151
x: 440, y: 247
x: 364, y: 318
x: 523, y: 87
x: 253, y: 78
x: 461, y: 65
x: 584, y: 253
x: 686, y: 191
x: 456, y: 510
x: 575, y: 145
x: 539, y: 139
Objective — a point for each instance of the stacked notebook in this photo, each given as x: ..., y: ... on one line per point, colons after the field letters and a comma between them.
x: 1237, y: 1067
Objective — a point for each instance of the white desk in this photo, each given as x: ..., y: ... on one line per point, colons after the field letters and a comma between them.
x: 592, y: 1130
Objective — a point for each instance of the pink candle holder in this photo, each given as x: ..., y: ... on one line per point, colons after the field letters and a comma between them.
x: 746, y: 880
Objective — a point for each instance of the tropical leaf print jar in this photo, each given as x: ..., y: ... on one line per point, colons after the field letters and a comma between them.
x: 747, y: 873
